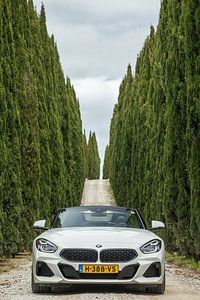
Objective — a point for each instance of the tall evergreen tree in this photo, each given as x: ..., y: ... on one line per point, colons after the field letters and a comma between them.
x: 77, y: 163
x: 11, y: 187
x: 93, y: 158
x: 106, y: 163
x: 85, y: 153
x: 28, y: 106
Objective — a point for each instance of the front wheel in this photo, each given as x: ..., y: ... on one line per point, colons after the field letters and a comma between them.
x: 159, y: 289
x: 36, y: 288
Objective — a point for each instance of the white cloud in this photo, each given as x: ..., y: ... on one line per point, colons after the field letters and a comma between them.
x: 98, y: 97
x: 93, y: 53
x: 96, y: 10
x: 99, y: 38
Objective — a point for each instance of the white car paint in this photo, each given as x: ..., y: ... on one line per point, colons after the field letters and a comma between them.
x: 89, y: 238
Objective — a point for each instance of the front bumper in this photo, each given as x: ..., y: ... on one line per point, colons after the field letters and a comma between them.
x: 142, y: 273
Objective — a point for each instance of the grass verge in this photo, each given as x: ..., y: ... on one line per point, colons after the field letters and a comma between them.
x: 183, y: 261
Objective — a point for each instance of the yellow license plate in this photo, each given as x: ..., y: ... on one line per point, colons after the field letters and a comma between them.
x: 99, y: 269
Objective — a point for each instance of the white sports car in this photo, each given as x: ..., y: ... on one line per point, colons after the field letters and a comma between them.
x: 98, y: 245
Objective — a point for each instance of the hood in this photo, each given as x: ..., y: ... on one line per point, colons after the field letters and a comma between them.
x: 91, y: 236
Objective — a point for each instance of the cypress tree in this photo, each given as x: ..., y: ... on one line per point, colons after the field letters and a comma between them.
x: 28, y: 105
x: 106, y: 163
x: 11, y: 188
x: 85, y: 153
x: 3, y: 108
x: 191, y: 37
x: 93, y: 157
x: 36, y: 58
x: 76, y: 155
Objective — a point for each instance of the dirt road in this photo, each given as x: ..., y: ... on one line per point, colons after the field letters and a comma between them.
x: 181, y: 284
x: 97, y: 192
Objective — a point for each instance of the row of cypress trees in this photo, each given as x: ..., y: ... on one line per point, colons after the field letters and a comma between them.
x: 153, y: 159
x: 42, y: 159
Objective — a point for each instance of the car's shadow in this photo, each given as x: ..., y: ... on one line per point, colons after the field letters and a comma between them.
x: 100, y: 289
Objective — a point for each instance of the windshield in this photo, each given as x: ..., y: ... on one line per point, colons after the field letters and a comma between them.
x: 96, y: 216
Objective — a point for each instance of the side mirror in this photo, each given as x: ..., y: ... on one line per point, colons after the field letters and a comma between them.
x: 40, y: 225
x: 157, y: 225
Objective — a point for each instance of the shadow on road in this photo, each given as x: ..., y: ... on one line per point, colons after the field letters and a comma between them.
x: 100, y: 289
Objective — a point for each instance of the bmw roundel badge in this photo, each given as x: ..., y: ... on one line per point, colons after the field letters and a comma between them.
x: 98, y: 245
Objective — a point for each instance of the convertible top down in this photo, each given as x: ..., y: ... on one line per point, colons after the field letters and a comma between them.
x: 98, y: 245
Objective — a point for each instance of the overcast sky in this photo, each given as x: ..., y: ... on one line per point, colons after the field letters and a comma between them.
x: 97, y: 39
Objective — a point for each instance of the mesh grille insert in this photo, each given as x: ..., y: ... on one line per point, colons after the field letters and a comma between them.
x: 79, y: 255
x: 117, y: 255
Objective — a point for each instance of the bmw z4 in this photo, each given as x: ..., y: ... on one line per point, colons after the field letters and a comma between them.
x: 98, y: 245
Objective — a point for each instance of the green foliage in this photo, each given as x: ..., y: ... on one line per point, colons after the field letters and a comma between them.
x: 106, y: 163
x: 183, y: 261
x: 93, y: 159
x: 42, y: 164
x: 85, y: 154
x: 154, y: 150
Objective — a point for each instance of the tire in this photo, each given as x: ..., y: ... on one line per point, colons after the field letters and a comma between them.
x: 159, y: 289
x: 36, y: 288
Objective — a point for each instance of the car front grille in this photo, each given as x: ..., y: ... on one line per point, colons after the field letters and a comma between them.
x: 79, y: 255
x: 117, y: 255
x: 90, y: 255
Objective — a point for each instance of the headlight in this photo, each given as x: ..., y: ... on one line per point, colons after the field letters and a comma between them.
x: 151, y: 247
x: 45, y: 246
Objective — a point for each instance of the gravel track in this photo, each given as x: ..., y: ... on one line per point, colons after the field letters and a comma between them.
x: 181, y: 284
